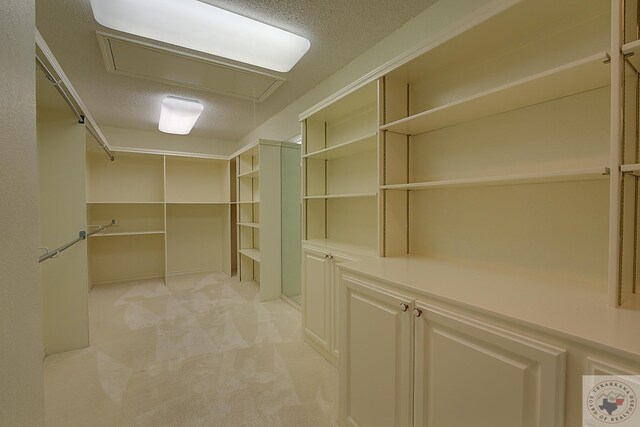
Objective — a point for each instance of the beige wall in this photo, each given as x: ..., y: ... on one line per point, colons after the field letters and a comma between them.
x: 124, y: 139
x: 21, y: 388
x: 61, y: 174
x: 425, y: 28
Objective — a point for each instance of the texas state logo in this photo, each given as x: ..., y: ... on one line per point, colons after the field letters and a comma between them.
x: 611, y: 400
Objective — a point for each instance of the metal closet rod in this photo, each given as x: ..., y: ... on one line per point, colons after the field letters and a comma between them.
x: 74, y: 109
x: 82, y: 235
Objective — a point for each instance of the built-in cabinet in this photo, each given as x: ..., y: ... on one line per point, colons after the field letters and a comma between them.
x: 494, y: 173
x: 320, y: 322
x: 412, y: 362
x: 259, y: 211
x: 172, y: 216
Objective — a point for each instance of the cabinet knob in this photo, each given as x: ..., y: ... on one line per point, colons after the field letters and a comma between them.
x: 330, y: 256
x: 404, y: 307
x: 326, y: 256
x: 417, y: 312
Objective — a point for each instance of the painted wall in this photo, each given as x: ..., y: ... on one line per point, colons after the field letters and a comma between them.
x: 124, y: 139
x: 21, y: 385
x: 425, y: 28
x: 61, y: 176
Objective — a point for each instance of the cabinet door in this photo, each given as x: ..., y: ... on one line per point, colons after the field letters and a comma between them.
x: 470, y: 373
x: 335, y: 302
x: 316, y: 292
x: 376, y: 359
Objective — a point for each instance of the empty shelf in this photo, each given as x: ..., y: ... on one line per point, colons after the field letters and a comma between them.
x: 531, y: 178
x: 341, y: 196
x: 253, y: 174
x: 349, y: 148
x: 570, y: 79
x: 632, y: 52
x: 122, y: 203
x: 198, y: 203
x: 249, y: 224
x: 129, y: 233
x: 254, y: 254
x: 633, y: 169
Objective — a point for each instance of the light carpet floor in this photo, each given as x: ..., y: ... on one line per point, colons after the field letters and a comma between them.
x: 203, y: 351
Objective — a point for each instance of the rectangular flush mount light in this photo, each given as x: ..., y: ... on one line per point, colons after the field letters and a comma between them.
x: 178, y: 115
x: 205, y: 28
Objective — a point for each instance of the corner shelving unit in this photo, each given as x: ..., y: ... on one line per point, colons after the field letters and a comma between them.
x: 173, y: 216
x: 258, y: 200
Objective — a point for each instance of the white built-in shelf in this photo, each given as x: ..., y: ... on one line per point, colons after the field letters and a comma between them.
x: 349, y: 148
x: 632, y: 52
x: 254, y: 254
x: 249, y: 224
x: 570, y: 79
x: 122, y: 203
x: 341, y: 196
x: 633, y: 169
x: 198, y: 203
x: 248, y: 202
x: 334, y: 245
x: 130, y: 233
x: 530, y: 178
x: 252, y: 174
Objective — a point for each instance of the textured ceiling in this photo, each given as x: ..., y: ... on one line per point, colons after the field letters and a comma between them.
x: 338, y: 31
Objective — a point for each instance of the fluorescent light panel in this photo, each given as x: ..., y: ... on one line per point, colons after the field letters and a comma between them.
x: 205, y: 28
x: 177, y: 115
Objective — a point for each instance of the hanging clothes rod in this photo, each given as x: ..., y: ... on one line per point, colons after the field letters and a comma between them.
x: 82, y: 235
x: 58, y: 85
x: 52, y: 70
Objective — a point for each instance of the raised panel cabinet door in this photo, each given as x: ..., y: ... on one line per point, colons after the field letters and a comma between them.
x: 376, y: 349
x: 471, y: 373
x: 316, y: 292
x: 335, y: 302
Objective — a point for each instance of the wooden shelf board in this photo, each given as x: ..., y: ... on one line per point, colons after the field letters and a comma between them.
x: 345, y: 149
x: 249, y: 224
x: 632, y: 52
x: 633, y: 169
x: 254, y: 254
x: 249, y: 202
x: 252, y: 174
x: 122, y: 203
x: 198, y: 203
x: 570, y: 79
x: 340, y: 196
x: 329, y: 245
x: 532, y: 178
x: 130, y: 233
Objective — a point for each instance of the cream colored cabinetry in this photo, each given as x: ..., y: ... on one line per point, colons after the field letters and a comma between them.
x: 258, y: 200
x: 408, y: 362
x: 320, y: 312
x: 340, y: 172
x: 340, y: 205
x: 172, y: 216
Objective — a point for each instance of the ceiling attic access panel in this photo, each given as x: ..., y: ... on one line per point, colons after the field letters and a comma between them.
x: 134, y: 58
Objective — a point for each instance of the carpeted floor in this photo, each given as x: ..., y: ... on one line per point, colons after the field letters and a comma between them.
x: 203, y: 351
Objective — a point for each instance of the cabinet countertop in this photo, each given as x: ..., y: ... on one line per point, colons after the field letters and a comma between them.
x: 578, y: 311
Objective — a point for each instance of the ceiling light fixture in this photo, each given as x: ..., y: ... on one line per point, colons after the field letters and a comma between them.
x: 205, y: 28
x: 178, y: 115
